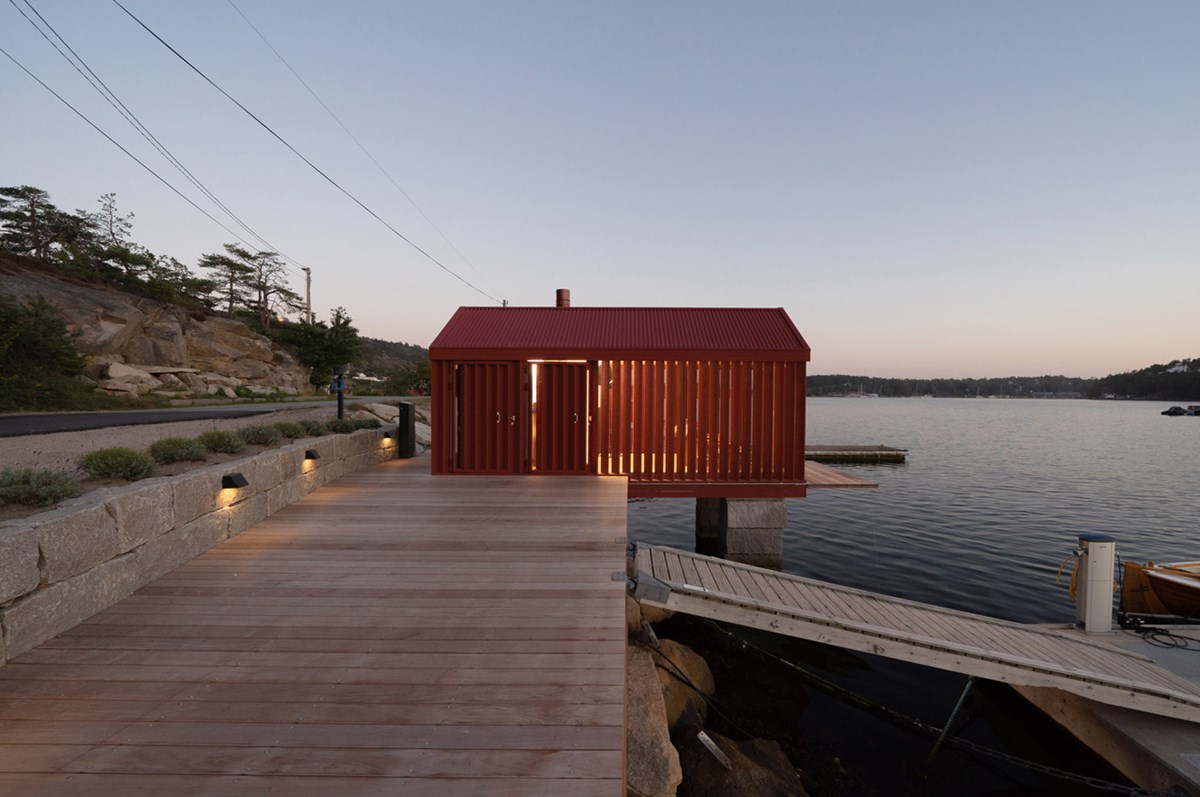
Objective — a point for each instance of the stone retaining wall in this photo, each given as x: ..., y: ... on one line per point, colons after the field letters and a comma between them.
x: 59, y: 568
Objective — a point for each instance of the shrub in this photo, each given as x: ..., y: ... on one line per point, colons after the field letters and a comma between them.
x: 117, y: 463
x: 222, y: 442
x: 260, y: 435
x: 366, y: 423
x: 341, y: 426
x: 313, y: 428
x: 177, y: 449
x: 35, y: 487
x: 288, y: 429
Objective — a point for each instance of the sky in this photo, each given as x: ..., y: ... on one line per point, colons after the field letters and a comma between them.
x: 953, y: 189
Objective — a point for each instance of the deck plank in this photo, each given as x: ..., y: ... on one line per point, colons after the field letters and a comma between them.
x: 390, y: 633
x: 926, y: 634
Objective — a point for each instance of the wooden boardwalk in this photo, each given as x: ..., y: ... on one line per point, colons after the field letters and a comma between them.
x: 872, y: 623
x: 390, y: 634
x: 845, y: 454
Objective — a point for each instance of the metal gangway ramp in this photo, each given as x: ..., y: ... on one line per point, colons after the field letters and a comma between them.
x: 869, y: 622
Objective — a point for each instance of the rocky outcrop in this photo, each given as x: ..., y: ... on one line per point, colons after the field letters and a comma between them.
x: 687, y: 683
x: 135, y: 345
x: 651, y: 761
x: 753, y: 768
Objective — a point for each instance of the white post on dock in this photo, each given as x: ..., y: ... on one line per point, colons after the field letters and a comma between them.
x: 1094, y: 610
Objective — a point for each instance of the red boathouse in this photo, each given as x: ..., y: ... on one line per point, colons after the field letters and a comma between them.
x: 686, y: 402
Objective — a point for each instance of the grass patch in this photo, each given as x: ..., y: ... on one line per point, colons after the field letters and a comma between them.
x: 260, y: 435
x: 177, y: 449
x: 341, y: 426
x: 366, y: 423
x: 117, y: 463
x: 35, y: 486
x: 222, y: 442
x: 313, y: 428
x: 289, y: 429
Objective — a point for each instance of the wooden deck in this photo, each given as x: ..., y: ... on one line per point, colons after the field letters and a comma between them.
x: 840, y: 454
x: 392, y: 633
x: 818, y: 475
x: 872, y: 623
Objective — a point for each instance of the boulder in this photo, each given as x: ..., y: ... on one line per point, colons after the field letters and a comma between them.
x: 219, y: 380
x: 113, y: 386
x: 758, y: 768
x: 424, y: 434
x: 651, y: 761
x: 161, y: 340
x: 128, y: 373
x: 685, y: 707
x: 388, y: 413
x: 171, y: 382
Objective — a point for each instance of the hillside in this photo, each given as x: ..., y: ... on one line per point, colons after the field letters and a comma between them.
x: 381, y: 356
x: 1178, y: 380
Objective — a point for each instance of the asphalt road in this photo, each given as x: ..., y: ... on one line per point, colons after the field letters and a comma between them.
x: 50, y: 422
x: 17, y: 425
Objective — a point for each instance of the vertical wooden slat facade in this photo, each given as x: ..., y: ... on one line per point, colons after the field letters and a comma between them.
x: 593, y: 390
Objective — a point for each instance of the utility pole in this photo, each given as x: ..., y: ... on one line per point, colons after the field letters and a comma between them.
x: 307, y: 293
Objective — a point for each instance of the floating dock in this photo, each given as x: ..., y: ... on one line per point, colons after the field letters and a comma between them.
x: 869, y: 622
x: 1154, y: 752
x: 1142, y: 715
x: 390, y: 633
x: 851, y: 455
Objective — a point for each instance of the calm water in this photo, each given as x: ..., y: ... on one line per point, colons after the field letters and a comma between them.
x: 980, y: 518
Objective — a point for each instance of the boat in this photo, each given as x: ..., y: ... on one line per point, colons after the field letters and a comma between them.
x: 1161, y: 590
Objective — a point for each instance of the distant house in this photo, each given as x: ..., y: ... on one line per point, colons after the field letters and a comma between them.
x: 690, y: 402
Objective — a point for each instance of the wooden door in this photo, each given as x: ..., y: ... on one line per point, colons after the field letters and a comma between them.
x: 489, y: 418
x: 561, y: 428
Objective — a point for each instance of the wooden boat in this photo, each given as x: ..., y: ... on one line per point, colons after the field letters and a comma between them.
x: 1161, y: 589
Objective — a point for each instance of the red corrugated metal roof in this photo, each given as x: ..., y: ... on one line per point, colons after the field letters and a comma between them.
x: 597, y: 332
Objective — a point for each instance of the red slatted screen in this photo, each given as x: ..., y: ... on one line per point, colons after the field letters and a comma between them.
x: 699, y: 421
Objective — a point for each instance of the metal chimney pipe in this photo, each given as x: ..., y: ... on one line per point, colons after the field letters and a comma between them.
x: 562, y: 297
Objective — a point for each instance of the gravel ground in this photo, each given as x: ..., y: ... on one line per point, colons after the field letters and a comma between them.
x: 61, y: 451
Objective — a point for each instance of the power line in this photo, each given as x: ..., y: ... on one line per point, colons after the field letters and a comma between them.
x: 361, y: 146
x: 100, y: 86
x: 311, y: 165
x: 117, y: 144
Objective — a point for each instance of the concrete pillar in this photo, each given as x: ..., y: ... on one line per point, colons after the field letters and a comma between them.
x: 747, y: 530
x: 710, y: 526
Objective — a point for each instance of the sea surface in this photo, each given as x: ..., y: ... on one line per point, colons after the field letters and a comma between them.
x: 979, y: 518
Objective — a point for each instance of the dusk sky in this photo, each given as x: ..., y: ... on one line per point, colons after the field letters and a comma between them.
x: 929, y: 189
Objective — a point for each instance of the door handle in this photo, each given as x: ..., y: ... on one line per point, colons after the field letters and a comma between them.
x: 512, y: 421
x: 497, y: 417
x: 575, y: 417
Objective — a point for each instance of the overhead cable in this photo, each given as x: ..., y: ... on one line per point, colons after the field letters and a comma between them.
x: 117, y: 144
x: 100, y: 86
x: 311, y: 165
x: 361, y: 146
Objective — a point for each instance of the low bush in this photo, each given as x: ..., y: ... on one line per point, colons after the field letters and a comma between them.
x: 313, y: 428
x: 366, y: 423
x: 341, y: 426
x: 177, y: 449
x: 222, y: 442
x: 260, y: 435
x: 117, y: 463
x: 289, y: 429
x: 35, y: 486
